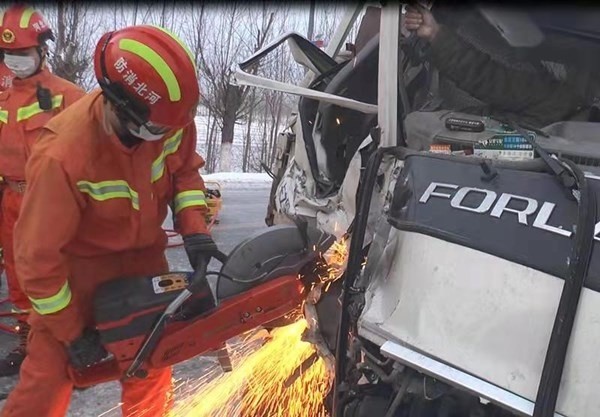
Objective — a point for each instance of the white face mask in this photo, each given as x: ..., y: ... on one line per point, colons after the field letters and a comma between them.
x: 145, y: 134
x: 21, y: 66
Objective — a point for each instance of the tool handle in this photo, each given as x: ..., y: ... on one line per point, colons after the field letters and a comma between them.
x: 221, y: 257
x: 154, y: 336
x: 198, y: 282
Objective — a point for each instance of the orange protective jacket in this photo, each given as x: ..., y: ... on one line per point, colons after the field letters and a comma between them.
x: 21, y: 117
x: 88, y: 196
x: 6, y: 77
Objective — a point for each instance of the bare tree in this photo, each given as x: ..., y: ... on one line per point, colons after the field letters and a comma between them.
x: 219, y: 36
x: 248, y: 138
x: 71, y: 56
x: 232, y: 35
x: 212, y: 154
x: 195, y: 33
x: 136, y: 8
x: 328, y: 16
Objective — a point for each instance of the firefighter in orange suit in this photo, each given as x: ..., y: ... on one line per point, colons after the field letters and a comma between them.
x: 36, y: 95
x: 6, y: 77
x: 100, y: 180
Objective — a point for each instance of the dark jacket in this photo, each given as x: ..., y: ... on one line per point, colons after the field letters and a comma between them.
x: 536, y: 99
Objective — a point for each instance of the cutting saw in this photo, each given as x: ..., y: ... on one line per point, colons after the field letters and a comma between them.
x: 156, y: 321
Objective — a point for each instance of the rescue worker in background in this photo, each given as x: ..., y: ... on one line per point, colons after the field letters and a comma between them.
x: 99, y: 183
x: 6, y: 77
x: 537, y: 99
x: 36, y: 95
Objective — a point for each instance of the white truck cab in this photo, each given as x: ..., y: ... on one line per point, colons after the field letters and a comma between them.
x: 473, y: 280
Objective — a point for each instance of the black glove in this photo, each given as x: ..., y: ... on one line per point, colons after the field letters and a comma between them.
x: 200, y: 246
x: 86, y: 350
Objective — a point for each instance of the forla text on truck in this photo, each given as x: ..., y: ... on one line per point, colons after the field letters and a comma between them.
x: 496, y: 205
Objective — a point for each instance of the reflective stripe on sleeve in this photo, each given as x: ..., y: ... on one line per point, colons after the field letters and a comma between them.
x: 190, y: 198
x: 54, y: 304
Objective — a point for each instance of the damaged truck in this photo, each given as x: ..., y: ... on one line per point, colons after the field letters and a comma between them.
x: 473, y: 274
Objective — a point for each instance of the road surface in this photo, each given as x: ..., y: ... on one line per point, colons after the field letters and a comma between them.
x: 242, y: 214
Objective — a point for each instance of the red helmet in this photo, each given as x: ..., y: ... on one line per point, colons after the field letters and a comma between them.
x: 6, y: 77
x: 23, y: 27
x: 149, y: 75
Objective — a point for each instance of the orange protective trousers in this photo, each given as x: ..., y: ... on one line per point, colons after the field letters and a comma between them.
x: 11, y: 204
x: 44, y: 389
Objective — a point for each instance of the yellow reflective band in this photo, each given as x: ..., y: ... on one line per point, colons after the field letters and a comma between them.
x: 2, y: 19
x: 107, y: 190
x: 28, y: 112
x: 4, y: 116
x: 157, y: 62
x: 176, y: 39
x: 187, y: 199
x: 26, y: 17
x: 170, y: 146
x: 53, y: 304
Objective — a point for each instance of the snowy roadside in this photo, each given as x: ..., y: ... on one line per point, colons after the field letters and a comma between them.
x: 238, y: 180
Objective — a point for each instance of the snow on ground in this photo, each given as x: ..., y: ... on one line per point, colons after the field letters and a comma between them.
x: 238, y: 180
x: 235, y: 179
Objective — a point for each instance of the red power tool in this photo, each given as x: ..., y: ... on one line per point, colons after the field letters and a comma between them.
x: 153, y: 322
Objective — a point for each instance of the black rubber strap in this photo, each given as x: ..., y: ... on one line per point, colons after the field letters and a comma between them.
x: 583, y: 244
x: 559, y: 171
x: 355, y: 258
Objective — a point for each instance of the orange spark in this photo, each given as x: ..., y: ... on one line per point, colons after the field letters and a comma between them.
x: 283, y: 378
x: 257, y: 385
x: 334, y: 261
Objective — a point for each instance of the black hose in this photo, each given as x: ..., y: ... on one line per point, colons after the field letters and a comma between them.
x: 365, y: 195
x: 559, y: 170
x: 545, y: 403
